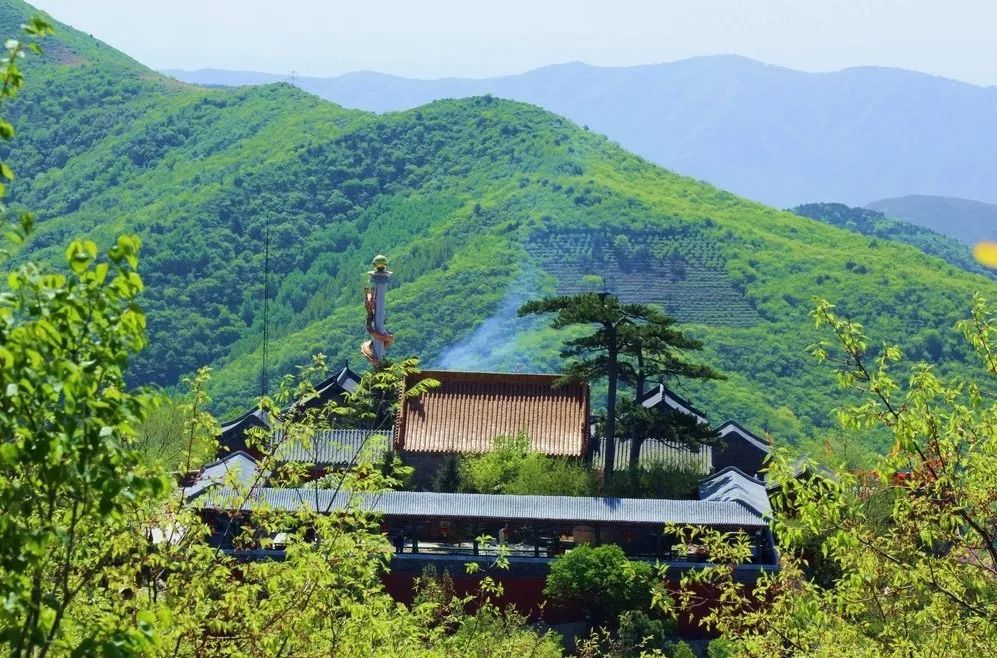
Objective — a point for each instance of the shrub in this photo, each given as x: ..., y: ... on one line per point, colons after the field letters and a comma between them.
x: 447, y: 478
x: 680, y: 650
x: 550, y: 476
x: 602, y: 580
x: 489, y: 472
x: 639, y: 632
x: 655, y: 480
x: 720, y: 648
x: 512, y: 468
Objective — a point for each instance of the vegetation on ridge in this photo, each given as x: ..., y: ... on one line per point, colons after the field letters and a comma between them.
x: 456, y: 193
x: 100, y: 555
x: 877, y: 225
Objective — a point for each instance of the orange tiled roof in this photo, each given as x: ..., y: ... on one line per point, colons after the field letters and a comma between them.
x: 470, y: 409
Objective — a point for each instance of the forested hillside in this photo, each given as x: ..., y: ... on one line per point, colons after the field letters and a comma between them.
x: 479, y: 203
x: 769, y: 133
x: 876, y: 224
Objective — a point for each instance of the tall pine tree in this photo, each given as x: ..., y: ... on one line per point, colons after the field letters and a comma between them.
x: 630, y: 342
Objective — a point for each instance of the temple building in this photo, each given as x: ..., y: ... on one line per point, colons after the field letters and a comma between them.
x: 463, y: 416
x: 469, y: 410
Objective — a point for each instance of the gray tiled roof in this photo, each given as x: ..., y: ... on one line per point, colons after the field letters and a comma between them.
x: 662, y: 395
x: 732, y: 427
x: 652, y: 451
x: 732, y: 484
x: 238, y: 466
x: 337, y: 447
x: 252, y: 418
x: 344, y: 381
x: 508, y: 508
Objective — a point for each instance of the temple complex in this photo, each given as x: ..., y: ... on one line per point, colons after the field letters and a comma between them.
x: 463, y: 416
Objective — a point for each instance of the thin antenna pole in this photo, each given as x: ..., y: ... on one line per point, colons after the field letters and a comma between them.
x: 266, y: 305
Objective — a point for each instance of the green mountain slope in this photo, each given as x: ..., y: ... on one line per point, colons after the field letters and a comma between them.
x: 875, y: 224
x: 479, y: 203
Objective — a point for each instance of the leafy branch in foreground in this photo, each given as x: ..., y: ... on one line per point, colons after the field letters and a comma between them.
x: 918, y: 579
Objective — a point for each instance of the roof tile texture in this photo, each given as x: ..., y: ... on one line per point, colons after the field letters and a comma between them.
x: 470, y: 409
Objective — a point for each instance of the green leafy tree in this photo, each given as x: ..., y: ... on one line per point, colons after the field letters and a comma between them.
x: 656, y: 351
x: 640, y: 633
x: 918, y: 575
x: 512, y: 468
x: 447, y: 478
x: 70, y: 477
x: 602, y: 580
x: 596, y: 355
x: 657, y: 480
x: 161, y: 437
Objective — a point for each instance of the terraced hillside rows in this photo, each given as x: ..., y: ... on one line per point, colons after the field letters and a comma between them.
x: 680, y: 269
x: 457, y: 194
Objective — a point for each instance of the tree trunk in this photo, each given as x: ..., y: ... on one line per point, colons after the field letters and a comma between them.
x: 635, y: 443
x: 613, y: 353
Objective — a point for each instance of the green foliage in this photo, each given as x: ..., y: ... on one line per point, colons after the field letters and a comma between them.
x: 100, y: 556
x: 720, y: 648
x: 914, y: 545
x: 72, y: 478
x: 470, y: 187
x: 447, y: 477
x: 876, y: 224
x: 602, y: 580
x: 97, y: 561
x: 656, y: 480
x: 629, y: 342
x: 512, y: 468
x: 639, y: 632
x: 550, y: 476
x: 680, y: 650
x: 162, y: 436
x: 473, y: 625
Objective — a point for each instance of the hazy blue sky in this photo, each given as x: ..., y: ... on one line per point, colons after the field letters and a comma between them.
x: 435, y: 38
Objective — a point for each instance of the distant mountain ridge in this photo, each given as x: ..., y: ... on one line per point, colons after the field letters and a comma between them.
x: 963, y: 219
x: 878, y: 225
x: 773, y: 134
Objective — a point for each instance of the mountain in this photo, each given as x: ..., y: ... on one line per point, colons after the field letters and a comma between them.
x: 965, y: 220
x: 875, y: 224
x: 773, y: 134
x: 227, y: 78
x: 479, y: 203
